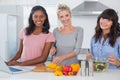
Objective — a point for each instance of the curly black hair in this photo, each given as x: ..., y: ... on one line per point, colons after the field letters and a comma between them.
x: 31, y: 26
x: 109, y: 14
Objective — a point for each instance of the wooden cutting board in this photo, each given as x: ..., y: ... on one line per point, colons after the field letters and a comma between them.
x: 42, y: 68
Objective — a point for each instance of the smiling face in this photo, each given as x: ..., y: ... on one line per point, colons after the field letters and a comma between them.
x: 105, y: 24
x: 65, y: 17
x: 38, y: 18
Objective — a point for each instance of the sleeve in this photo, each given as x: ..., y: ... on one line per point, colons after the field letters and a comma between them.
x: 50, y: 38
x: 79, y: 40
x: 21, y: 34
x: 118, y: 56
x: 118, y: 48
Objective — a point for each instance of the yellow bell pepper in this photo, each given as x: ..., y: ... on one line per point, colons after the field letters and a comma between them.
x: 58, y: 73
x: 52, y: 65
x: 58, y: 68
x: 75, y: 67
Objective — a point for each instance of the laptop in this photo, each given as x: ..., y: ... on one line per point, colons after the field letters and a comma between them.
x: 12, y: 69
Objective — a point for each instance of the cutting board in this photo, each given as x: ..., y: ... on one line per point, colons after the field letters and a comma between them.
x: 42, y: 68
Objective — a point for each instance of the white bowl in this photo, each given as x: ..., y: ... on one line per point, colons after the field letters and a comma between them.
x: 100, y: 66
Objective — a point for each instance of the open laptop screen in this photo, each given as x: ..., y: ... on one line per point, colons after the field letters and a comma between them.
x: 14, y: 69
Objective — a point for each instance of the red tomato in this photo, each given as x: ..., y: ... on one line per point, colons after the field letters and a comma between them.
x: 65, y: 69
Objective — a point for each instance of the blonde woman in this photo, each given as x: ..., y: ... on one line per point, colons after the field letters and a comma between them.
x: 68, y: 38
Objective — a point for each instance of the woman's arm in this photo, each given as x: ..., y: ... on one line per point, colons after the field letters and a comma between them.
x: 89, y: 55
x: 112, y: 59
x: 115, y: 60
x: 39, y: 59
x: 53, y: 50
x: 79, y: 40
x: 59, y: 59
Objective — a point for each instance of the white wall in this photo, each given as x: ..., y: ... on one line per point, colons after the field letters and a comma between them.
x: 70, y: 3
x: 87, y: 23
x: 115, y: 4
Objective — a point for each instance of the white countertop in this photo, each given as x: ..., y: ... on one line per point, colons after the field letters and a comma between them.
x: 108, y: 75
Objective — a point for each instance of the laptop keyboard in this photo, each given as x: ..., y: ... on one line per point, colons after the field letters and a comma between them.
x: 14, y: 69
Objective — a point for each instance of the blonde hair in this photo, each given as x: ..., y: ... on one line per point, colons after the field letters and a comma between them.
x: 62, y: 7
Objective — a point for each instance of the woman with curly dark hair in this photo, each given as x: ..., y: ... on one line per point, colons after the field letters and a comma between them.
x: 105, y: 44
x: 35, y: 40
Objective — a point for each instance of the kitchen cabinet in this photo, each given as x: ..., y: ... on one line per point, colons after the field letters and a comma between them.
x: 8, y: 34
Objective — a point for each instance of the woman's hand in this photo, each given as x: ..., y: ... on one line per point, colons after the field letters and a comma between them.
x: 58, y: 60
x: 89, y: 55
x: 13, y: 63
x: 113, y: 60
x: 53, y: 51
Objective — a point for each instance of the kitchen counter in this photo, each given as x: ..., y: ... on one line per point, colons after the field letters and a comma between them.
x: 108, y: 75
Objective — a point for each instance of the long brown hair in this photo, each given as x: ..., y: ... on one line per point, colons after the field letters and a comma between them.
x: 31, y: 26
x: 109, y: 14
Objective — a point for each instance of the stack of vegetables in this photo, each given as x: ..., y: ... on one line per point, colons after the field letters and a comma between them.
x: 60, y: 70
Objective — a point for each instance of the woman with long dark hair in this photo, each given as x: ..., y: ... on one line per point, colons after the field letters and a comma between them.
x: 35, y: 40
x: 105, y: 44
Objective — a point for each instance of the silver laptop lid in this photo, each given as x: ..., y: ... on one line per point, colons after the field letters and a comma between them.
x: 3, y: 66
